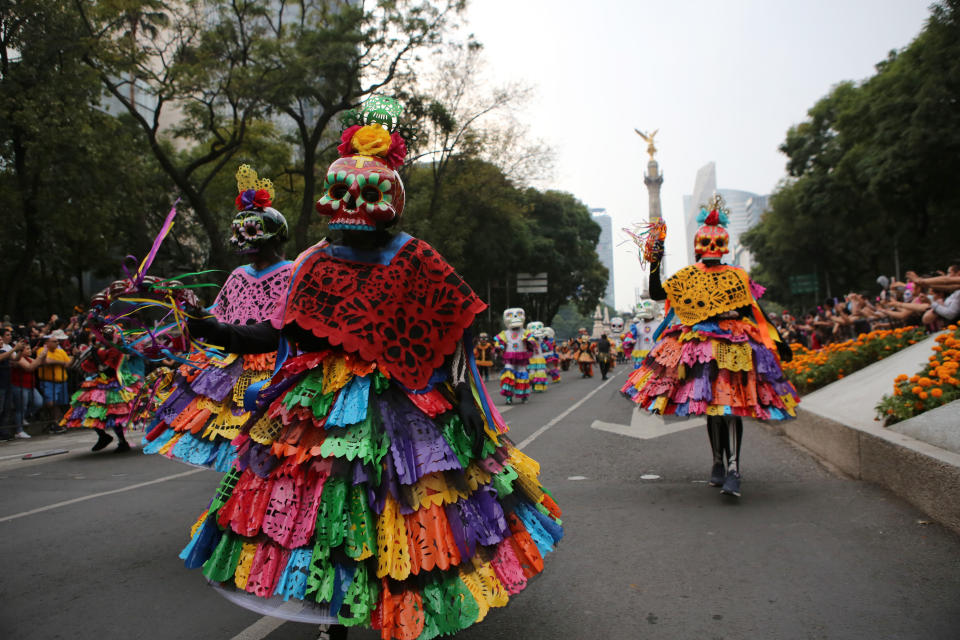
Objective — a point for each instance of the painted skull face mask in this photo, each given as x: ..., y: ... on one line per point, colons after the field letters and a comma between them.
x: 361, y: 192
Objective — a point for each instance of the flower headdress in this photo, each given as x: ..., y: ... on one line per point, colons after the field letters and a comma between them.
x: 254, y: 192
x: 372, y: 131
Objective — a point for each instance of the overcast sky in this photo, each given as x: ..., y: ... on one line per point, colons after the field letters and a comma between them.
x: 722, y: 80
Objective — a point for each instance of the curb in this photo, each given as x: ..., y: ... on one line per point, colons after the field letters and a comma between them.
x: 924, y: 475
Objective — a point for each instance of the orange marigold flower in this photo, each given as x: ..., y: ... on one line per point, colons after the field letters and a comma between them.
x: 809, y: 380
x: 917, y: 390
x: 936, y: 392
x: 923, y: 395
x: 925, y: 382
x: 918, y: 405
x: 914, y: 379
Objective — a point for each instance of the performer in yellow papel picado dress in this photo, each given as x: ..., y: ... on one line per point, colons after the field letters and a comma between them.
x: 715, y: 354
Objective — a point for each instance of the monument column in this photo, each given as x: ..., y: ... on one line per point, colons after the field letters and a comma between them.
x: 653, y: 179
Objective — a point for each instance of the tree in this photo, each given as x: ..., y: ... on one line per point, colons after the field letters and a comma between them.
x: 871, y: 184
x: 565, y: 247
x: 58, y: 164
x: 197, y: 71
x: 326, y: 57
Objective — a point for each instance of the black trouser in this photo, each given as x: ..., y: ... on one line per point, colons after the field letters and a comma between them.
x: 726, y: 436
x: 603, y: 359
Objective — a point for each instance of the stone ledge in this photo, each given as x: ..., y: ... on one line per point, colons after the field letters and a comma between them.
x: 925, y: 475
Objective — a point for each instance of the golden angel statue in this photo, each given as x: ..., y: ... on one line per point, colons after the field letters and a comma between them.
x: 649, y: 138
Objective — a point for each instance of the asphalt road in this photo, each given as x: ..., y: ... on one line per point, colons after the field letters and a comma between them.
x: 91, y: 542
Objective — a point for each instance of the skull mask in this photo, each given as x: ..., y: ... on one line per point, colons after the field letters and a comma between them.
x: 711, y: 242
x: 549, y: 333
x: 646, y: 309
x: 616, y: 325
x: 536, y: 329
x: 253, y: 228
x: 513, y: 318
x: 361, y: 192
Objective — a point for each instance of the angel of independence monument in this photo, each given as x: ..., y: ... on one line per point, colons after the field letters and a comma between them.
x: 653, y: 179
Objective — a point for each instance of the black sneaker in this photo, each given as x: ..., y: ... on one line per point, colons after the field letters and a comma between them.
x: 717, y: 474
x: 103, y: 440
x: 122, y: 447
x: 731, y: 486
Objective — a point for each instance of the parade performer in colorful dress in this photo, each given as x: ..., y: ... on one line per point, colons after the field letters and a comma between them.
x: 645, y: 324
x: 717, y: 356
x: 628, y: 342
x: 538, y: 361
x: 518, y: 346
x: 585, y: 358
x: 616, y: 339
x: 548, y: 346
x: 374, y: 485
x: 105, y: 399
x: 483, y: 354
x: 204, y: 410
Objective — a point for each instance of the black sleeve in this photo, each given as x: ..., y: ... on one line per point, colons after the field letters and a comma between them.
x: 237, y: 338
x: 656, y: 287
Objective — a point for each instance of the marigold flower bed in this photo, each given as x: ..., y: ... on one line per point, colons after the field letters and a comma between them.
x: 810, y: 370
x: 935, y: 385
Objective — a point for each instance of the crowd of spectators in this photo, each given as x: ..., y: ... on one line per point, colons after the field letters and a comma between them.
x: 37, y: 376
x: 932, y: 301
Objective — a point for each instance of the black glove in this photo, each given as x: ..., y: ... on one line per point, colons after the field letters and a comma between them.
x: 207, y: 328
x: 471, y: 418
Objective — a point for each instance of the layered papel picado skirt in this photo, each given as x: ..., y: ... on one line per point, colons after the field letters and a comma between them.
x: 713, y: 368
x: 101, y: 402
x: 203, y: 411
x: 366, y: 501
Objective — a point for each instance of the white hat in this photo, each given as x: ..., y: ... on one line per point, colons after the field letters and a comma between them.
x: 59, y: 334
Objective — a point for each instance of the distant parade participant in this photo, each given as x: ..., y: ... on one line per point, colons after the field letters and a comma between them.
x: 549, y: 349
x: 483, y: 354
x: 645, y: 324
x: 105, y: 399
x: 566, y: 352
x: 518, y: 346
x: 538, y: 361
x: 604, y: 356
x: 204, y: 411
x: 628, y: 342
x: 616, y: 338
x: 718, y: 355
x: 585, y: 359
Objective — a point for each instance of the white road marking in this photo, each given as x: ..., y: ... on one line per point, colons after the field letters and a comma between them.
x: 57, y: 505
x: 539, y: 432
x: 646, y: 426
x: 649, y: 476
x: 577, y: 478
x: 259, y: 629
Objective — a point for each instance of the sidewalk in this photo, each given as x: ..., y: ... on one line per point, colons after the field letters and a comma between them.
x: 837, y: 424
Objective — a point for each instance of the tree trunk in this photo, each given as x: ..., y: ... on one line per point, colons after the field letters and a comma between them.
x: 17, y: 276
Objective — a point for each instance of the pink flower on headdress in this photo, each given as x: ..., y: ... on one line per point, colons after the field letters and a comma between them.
x: 397, y: 153
x: 345, y: 149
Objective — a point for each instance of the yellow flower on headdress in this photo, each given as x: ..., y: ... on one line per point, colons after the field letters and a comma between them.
x: 371, y: 140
